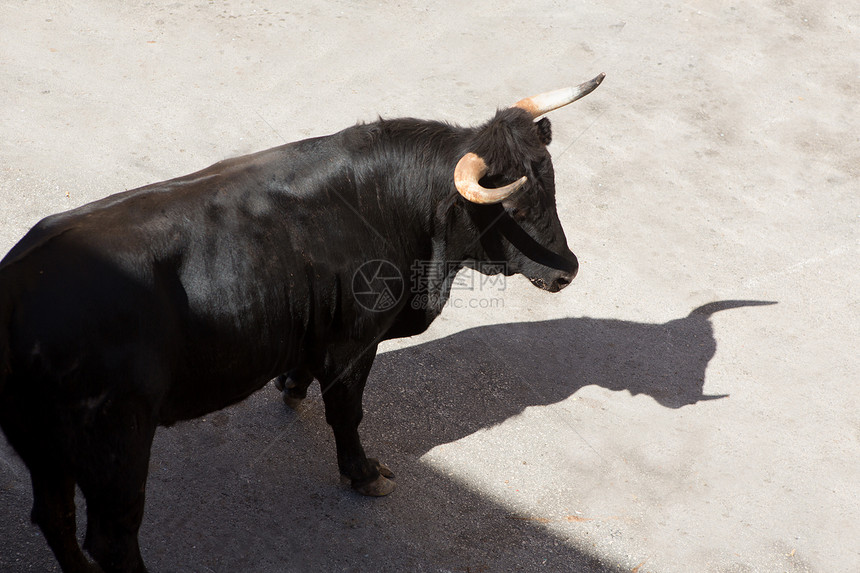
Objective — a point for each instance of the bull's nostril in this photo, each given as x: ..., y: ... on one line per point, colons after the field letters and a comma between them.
x: 562, y: 282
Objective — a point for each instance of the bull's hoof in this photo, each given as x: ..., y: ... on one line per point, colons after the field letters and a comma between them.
x: 381, y: 485
x: 294, y: 390
x: 280, y: 382
x: 377, y: 488
x: 292, y: 402
x: 383, y: 469
x: 293, y: 393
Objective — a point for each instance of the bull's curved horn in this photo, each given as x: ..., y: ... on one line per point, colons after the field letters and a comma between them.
x: 469, y: 170
x: 546, y: 102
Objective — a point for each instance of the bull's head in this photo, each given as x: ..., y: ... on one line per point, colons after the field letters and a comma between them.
x: 517, y: 220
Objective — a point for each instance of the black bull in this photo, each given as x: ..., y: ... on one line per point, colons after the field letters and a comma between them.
x: 166, y: 302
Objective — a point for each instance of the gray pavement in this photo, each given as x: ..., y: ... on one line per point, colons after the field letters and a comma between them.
x: 610, y: 427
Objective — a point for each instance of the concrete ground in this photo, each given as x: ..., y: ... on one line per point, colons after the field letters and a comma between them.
x: 606, y: 428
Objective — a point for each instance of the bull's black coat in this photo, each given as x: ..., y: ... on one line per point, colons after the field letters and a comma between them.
x: 176, y: 299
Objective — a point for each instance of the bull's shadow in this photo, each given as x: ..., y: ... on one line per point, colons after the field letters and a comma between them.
x: 485, y: 375
x: 254, y: 488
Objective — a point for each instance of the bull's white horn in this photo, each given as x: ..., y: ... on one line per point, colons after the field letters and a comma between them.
x: 546, y: 102
x: 469, y: 170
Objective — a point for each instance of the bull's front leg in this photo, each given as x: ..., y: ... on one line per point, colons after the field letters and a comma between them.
x: 342, y: 388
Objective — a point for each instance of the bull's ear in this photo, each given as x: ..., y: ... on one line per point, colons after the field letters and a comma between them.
x: 544, y: 130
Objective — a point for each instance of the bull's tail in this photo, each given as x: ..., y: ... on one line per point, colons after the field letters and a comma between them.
x: 707, y: 310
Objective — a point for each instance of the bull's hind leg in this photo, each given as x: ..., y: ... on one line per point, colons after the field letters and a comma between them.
x: 294, y: 384
x: 54, y: 513
x: 342, y: 389
x: 114, y: 485
x: 32, y: 429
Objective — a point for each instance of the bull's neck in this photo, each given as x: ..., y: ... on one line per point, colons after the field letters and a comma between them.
x: 419, y: 190
x: 444, y: 238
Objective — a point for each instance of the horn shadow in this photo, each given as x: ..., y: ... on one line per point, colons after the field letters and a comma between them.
x: 712, y: 307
